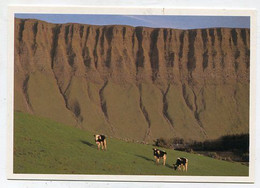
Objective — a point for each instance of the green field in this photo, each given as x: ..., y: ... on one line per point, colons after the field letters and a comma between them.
x: 42, y: 146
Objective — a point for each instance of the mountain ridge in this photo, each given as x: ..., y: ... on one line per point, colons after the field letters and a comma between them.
x: 152, y: 82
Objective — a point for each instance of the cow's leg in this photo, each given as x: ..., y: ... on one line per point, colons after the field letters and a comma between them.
x: 186, y: 167
x: 164, y: 159
x: 105, y: 144
x: 157, y: 161
x: 102, y: 145
x: 98, y: 145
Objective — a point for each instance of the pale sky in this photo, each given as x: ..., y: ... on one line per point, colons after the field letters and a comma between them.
x: 156, y: 21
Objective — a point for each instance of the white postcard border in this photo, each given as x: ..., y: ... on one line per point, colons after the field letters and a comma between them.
x: 132, y: 11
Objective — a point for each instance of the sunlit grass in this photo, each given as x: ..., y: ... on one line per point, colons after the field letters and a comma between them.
x: 44, y: 146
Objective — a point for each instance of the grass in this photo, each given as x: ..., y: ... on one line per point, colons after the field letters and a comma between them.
x: 42, y: 146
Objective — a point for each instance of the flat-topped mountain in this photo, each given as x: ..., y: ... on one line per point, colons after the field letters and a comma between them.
x: 134, y: 82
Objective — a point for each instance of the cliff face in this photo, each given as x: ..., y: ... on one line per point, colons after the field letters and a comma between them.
x: 134, y: 83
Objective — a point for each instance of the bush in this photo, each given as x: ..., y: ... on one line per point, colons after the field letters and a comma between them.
x: 213, y: 155
x: 176, y: 143
x: 189, y: 150
x: 161, y: 142
x: 237, y: 144
x: 228, y: 159
x: 245, y: 157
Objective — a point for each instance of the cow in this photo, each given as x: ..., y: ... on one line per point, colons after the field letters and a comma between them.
x: 101, y: 140
x: 181, y: 164
x: 159, y: 154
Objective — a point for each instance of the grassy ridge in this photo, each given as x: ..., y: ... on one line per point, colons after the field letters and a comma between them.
x: 44, y: 146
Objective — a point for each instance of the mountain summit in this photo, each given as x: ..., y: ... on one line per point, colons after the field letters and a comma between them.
x: 134, y: 83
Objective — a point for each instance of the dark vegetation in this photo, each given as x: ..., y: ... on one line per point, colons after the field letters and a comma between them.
x: 229, y: 147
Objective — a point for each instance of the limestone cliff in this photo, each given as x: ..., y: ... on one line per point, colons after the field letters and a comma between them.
x: 134, y: 83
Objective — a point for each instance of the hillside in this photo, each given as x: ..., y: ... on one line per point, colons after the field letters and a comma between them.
x: 42, y: 146
x: 134, y: 83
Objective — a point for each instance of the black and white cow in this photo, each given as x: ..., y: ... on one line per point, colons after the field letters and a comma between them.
x: 181, y: 164
x: 101, y: 140
x: 159, y: 154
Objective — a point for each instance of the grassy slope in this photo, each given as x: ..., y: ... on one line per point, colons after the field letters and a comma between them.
x: 44, y: 146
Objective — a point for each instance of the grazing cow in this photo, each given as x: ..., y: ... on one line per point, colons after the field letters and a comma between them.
x: 101, y: 140
x: 181, y: 164
x: 159, y: 154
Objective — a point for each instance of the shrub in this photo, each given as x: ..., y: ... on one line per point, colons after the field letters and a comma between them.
x: 237, y: 144
x: 245, y: 157
x: 213, y: 155
x: 176, y: 143
x: 161, y: 142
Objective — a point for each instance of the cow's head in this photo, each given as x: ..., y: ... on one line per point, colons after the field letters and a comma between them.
x: 96, y: 137
x: 155, y: 151
x: 175, y: 166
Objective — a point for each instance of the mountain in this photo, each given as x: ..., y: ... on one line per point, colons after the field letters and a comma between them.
x: 134, y: 83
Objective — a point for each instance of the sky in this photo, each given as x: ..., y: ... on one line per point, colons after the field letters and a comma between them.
x: 155, y: 21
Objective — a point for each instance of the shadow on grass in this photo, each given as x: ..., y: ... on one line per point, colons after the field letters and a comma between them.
x: 145, y: 158
x: 148, y: 159
x: 87, y: 143
x: 169, y: 166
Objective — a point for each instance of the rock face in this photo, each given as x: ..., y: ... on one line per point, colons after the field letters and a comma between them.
x: 134, y: 83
